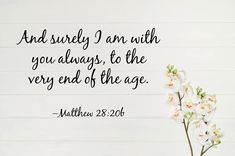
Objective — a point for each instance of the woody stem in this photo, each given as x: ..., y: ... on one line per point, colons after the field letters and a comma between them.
x: 202, y: 150
x: 186, y: 125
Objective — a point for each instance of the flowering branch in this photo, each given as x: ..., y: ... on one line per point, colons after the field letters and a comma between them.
x: 193, y: 107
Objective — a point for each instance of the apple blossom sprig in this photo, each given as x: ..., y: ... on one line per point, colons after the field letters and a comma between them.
x: 193, y: 108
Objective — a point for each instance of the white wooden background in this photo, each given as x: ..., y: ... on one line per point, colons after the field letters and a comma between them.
x: 197, y: 35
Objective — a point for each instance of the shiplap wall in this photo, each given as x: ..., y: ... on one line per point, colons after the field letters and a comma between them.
x: 196, y: 35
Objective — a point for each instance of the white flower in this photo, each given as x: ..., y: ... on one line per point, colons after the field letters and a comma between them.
x: 173, y: 85
x: 186, y: 88
x: 171, y: 76
x: 182, y: 75
x: 175, y: 78
x: 172, y: 98
x: 205, y: 108
x: 202, y: 136
x: 215, y: 134
x: 177, y: 115
x: 211, y: 98
x: 199, y: 123
x: 202, y: 132
x: 188, y: 106
x: 170, y: 83
x: 177, y: 75
x: 207, y: 134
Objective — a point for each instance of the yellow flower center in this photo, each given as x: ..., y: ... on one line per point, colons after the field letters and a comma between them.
x: 176, y: 114
x: 189, y: 104
x: 170, y: 83
x: 170, y: 98
x: 212, y: 98
x: 216, y: 132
